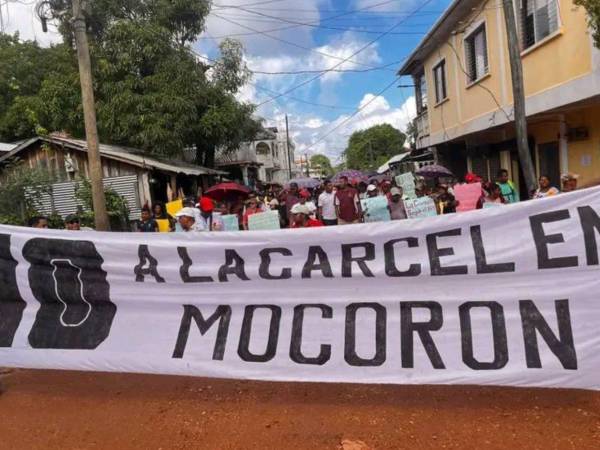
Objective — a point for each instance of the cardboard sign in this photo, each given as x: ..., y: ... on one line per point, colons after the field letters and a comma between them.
x: 376, y: 209
x: 264, y: 221
x: 487, y: 205
x: 467, y: 195
x: 420, y: 207
x: 406, y: 181
x: 174, y: 207
x: 230, y: 222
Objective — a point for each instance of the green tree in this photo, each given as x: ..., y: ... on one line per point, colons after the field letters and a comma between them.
x: 593, y: 9
x: 19, y: 188
x: 152, y: 92
x: 368, y: 149
x: 323, y: 162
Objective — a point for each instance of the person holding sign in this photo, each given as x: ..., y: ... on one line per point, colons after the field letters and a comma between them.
x: 251, y: 209
x: 347, y: 204
x: 301, y: 217
x: 396, y: 204
x: 326, y: 204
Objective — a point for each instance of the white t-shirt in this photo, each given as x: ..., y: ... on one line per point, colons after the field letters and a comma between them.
x: 327, y: 203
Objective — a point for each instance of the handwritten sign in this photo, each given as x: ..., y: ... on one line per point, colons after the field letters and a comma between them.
x: 467, y: 195
x: 264, y: 221
x: 174, y: 207
x: 420, y: 207
x: 487, y: 205
x: 406, y: 181
x: 376, y: 209
x: 230, y: 222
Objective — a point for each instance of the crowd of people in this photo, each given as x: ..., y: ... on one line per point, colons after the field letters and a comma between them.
x: 327, y: 205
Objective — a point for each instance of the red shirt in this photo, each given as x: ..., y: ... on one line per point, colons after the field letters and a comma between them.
x: 347, y: 199
x: 309, y: 224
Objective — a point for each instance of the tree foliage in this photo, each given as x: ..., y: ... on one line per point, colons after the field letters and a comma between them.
x: 19, y: 188
x: 151, y: 91
x: 368, y: 149
x: 593, y: 9
x: 324, y: 163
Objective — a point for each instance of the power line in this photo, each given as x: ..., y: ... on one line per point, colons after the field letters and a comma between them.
x: 325, y: 27
x: 304, y: 72
x: 326, y: 19
x: 364, y: 47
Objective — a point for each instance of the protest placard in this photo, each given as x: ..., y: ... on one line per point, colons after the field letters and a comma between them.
x: 230, y: 222
x: 164, y: 226
x: 467, y: 196
x: 376, y: 209
x: 264, y: 221
x: 174, y: 207
x: 406, y: 181
x: 420, y: 207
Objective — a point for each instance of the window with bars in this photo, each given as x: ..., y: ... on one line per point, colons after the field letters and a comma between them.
x: 421, y: 92
x: 439, y: 79
x: 476, y: 56
x: 539, y: 19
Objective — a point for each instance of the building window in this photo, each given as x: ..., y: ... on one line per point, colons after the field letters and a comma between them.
x: 263, y: 148
x: 421, y: 92
x: 539, y: 18
x: 439, y: 78
x: 476, y: 54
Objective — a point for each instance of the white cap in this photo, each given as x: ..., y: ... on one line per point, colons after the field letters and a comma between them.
x: 186, y: 212
x: 274, y: 202
x: 371, y: 188
x: 395, y: 191
x: 300, y: 209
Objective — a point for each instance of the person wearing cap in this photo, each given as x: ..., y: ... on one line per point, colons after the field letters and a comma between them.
x: 372, y: 191
x: 386, y: 187
x: 301, y: 217
x: 396, y: 204
x: 207, y: 220
x: 305, y: 200
x: 72, y: 222
x: 326, y: 206
x: 569, y: 182
x: 186, y: 219
x: 274, y: 205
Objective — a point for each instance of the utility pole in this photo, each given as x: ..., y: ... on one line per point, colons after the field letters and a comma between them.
x: 307, y: 165
x: 89, y: 113
x: 287, y: 146
x: 516, y: 69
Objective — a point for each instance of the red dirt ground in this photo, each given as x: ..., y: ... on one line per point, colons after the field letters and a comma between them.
x: 68, y: 410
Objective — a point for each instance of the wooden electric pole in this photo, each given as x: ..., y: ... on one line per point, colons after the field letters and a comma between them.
x: 516, y: 70
x: 89, y: 113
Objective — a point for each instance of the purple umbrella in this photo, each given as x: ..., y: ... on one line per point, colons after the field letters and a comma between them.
x: 379, y: 178
x: 304, y: 183
x: 434, y: 171
x: 354, y: 176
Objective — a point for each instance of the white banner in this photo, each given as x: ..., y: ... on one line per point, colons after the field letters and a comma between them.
x: 504, y: 296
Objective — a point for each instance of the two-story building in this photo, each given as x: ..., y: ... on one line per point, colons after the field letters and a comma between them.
x: 463, y: 89
x: 267, y: 158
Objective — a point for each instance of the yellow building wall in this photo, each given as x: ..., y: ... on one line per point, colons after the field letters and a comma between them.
x: 584, y: 156
x: 561, y: 58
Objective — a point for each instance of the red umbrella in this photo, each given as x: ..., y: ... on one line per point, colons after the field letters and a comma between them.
x: 222, y: 190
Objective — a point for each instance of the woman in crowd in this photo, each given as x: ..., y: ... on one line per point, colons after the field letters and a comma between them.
x: 545, y: 189
x: 251, y: 208
x: 492, y: 198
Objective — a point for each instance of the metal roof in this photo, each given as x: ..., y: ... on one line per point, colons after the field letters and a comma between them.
x: 127, y: 155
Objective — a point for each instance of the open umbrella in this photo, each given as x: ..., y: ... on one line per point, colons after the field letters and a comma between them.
x: 434, y: 171
x: 380, y: 178
x: 220, y: 191
x: 354, y: 176
x: 304, y: 183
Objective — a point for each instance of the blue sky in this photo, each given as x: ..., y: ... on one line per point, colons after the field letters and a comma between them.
x: 311, y: 35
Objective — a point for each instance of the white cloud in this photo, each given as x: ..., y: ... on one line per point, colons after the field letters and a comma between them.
x: 21, y: 18
x: 403, y: 6
x: 306, y: 130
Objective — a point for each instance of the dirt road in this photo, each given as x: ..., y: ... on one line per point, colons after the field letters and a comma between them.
x: 67, y: 410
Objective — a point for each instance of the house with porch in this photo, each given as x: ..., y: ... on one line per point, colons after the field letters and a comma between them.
x: 139, y: 178
x: 463, y: 89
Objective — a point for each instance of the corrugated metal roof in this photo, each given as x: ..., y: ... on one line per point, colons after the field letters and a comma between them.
x: 128, y: 155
